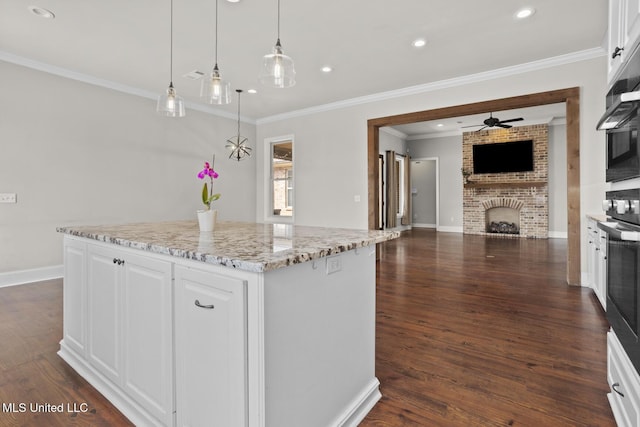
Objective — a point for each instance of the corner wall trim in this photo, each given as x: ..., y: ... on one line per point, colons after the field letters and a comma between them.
x: 22, y: 277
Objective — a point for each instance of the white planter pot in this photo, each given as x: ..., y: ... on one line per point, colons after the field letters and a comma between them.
x: 207, y: 219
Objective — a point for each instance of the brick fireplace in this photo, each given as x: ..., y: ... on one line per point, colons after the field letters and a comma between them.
x: 498, y: 204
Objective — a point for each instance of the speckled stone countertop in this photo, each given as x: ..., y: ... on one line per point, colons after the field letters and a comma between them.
x: 245, y: 246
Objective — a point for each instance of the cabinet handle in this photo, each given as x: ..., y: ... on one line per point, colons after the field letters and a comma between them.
x: 617, y: 52
x: 115, y: 260
x: 118, y: 261
x: 210, y: 306
x: 613, y: 387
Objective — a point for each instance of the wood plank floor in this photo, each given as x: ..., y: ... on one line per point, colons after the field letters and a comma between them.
x: 470, y: 332
x: 475, y: 331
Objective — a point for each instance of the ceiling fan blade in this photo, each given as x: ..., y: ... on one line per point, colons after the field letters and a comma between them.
x: 512, y: 120
x: 504, y: 126
x: 470, y: 126
x: 482, y: 128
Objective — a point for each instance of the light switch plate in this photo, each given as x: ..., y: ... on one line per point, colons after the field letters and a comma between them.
x: 8, y: 198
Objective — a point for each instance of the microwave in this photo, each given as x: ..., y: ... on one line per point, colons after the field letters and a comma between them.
x: 621, y: 121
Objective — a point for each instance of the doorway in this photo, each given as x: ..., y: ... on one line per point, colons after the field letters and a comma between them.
x: 571, y: 98
x: 425, y: 188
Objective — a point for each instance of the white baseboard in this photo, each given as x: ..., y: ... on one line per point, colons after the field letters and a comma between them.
x: 419, y: 225
x: 358, y: 409
x: 450, y: 229
x: 21, y: 277
x: 558, y: 234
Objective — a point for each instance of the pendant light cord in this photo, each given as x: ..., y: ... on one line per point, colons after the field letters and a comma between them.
x: 216, y: 43
x: 278, y: 20
x: 171, y: 46
x: 239, y: 92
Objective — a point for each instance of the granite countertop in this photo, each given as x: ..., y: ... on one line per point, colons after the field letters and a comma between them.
x: 246, y: 246
x: 598, y: 217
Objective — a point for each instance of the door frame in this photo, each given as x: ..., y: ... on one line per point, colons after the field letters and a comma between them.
x: 571, y: 98
x: 437, y: 184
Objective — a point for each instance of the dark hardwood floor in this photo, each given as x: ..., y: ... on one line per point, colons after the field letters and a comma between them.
x: 470, y: 332
x: 475, y: 331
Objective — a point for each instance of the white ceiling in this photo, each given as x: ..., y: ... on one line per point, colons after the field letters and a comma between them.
x: 543, y: 114
x: 125, y: 43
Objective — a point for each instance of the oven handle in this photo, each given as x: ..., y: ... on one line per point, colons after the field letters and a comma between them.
x: 612, y: 231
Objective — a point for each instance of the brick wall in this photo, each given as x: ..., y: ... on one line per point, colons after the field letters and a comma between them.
x: 510, y: 189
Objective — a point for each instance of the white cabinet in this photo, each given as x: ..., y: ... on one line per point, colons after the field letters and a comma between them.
x: 624, y: 33
x: 129, y: 318
x: 624, y: 382
x: 103, y: 308
x: 615, y: 43
x: 147, y: 334
x: 211, y: 364
x: 75, y: 294
x: 601, y: 269
x: 597, y: 261
x: 631, y: 15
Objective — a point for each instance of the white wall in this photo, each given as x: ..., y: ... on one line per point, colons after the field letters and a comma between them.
x: 558, y: 180
x: 331, y: 146
x: 81, y: 154
x: 448, y: 150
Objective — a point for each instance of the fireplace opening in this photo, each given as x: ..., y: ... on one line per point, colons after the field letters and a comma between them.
x: 502, y: 220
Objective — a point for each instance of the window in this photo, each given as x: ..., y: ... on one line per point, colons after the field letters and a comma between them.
x: 282, y: 178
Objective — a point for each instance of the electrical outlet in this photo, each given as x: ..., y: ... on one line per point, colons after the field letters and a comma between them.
x: 334, y: 264
x: 8, y: 198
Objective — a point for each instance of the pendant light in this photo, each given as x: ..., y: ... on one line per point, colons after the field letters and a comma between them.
x: 215, y: 90
x: 170, y: 104
x: 277, y: 68
x: 238, y: 144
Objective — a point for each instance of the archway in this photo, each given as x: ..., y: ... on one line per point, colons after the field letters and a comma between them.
x: 571, y: 98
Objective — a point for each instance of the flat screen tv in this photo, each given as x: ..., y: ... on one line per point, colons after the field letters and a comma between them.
x: 514, y: 156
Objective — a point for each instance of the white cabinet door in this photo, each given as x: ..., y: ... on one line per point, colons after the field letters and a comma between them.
x: 631, y: 24
x: 103, y: 311
x: 75, y: 295
x: 616, y: 53
x: 624, y: 382
x: 211, y: 339
x: 147, y: 334
x: 601, y: 269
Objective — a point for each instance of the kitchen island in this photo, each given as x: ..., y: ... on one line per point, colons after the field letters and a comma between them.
x: 249, y: 325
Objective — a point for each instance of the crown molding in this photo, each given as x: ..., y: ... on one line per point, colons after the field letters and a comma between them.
x: 498, y: 73
x: 555, y: 61
x: 393, y: 132
x: 108, y: 84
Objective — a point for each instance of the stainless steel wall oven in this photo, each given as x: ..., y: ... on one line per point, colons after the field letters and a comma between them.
x: 623, y: 268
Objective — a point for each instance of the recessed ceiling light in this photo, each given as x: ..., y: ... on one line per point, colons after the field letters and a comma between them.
x: 252, y: 91
x: 525, y: 13
x: 418, y: 43
x: 326, y: 69
x: 233, y: 1
x: 42, y: 12
x: 440, y: 125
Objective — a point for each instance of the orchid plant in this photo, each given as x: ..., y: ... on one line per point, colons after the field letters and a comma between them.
x: 207, y: 192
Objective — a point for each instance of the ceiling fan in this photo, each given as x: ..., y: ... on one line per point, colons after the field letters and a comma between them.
x: 494, y: 121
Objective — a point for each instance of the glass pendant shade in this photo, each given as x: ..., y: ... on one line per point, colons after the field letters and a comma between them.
x: 214, y: 89
x: 277, y: 69
x: 170, y: 104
